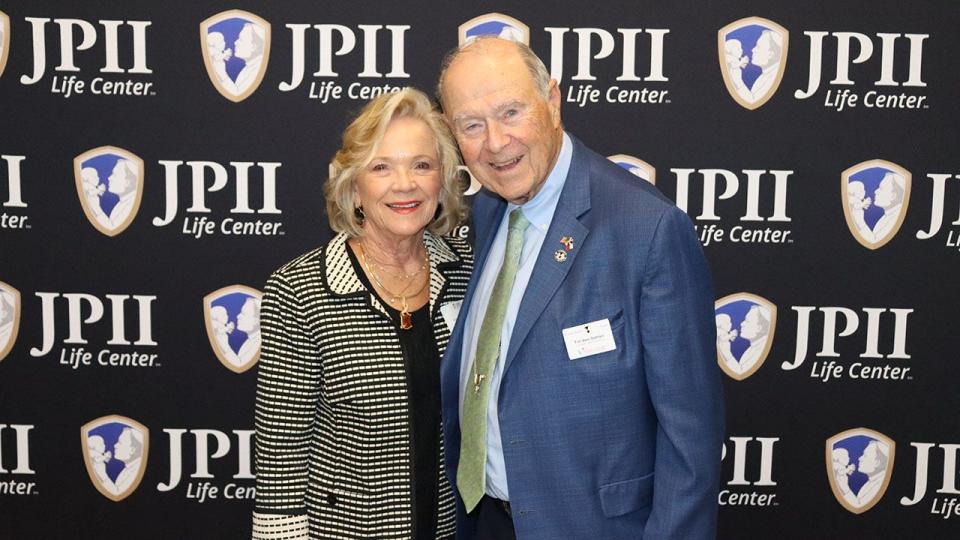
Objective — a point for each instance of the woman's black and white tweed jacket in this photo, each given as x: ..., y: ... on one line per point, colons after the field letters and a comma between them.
x: 333, y: 456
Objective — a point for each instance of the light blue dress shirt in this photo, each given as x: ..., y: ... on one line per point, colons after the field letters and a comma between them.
x: 539, y: 212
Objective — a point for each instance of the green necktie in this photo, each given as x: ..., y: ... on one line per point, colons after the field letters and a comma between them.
x: 471, y: 471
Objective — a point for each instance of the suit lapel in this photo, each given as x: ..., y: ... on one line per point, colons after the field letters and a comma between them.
x: 548, y: 272
x: 486, y: 230
x: 488, y: 211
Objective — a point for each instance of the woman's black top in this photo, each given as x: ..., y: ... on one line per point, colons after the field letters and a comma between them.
x: 423, y: 383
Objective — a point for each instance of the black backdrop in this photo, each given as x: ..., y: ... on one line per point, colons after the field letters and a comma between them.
x: 198, y: 412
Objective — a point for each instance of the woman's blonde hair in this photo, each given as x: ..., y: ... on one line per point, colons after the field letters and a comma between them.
x: 361, y: 138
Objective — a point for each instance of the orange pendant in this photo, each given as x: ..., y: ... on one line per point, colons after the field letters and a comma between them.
x: 406, y: 322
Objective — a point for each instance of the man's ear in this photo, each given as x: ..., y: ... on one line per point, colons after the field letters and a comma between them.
x: 553, y: 100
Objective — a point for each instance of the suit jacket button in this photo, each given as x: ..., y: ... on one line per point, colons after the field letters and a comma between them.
x: 331, y: 499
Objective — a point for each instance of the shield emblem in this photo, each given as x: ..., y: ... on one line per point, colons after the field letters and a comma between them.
x: 110, y: 185
x: 636, y: 166
x: 875, y: 197
x: 9, y: 318
x: 115, y: 452
x: 4, y: 40
x: 859, y: 467
x: 746, y: 324
x: 232, y: 317
x: 236, y: 49
x: 753, y: 57
x: 494, y: 24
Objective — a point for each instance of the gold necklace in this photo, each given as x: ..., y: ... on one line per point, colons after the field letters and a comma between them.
x: 403, y: 276
x: 406, y: 321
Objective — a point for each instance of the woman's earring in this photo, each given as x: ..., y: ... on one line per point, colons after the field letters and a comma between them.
x: 359, y: 215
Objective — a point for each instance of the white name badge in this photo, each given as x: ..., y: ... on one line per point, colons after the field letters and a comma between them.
x: 450, y: 311
x: 589, y: 339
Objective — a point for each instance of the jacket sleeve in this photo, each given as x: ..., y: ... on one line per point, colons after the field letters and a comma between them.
x: 679, y: 349
x: 289, y: 381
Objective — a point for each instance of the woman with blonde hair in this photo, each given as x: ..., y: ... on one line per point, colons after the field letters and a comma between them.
x: 348, y: 430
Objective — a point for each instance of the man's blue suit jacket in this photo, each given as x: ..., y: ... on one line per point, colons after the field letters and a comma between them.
x: 624, y: 444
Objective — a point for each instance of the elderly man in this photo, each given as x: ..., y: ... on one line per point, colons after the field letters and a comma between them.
x: 581, y: 395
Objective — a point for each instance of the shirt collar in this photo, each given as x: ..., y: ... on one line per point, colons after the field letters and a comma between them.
x: 539, y: 209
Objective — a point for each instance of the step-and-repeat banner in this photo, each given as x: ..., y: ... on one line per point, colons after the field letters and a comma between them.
x: 158, y: 161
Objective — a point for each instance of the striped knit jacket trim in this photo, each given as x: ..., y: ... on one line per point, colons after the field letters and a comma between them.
x: 333, y: 458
